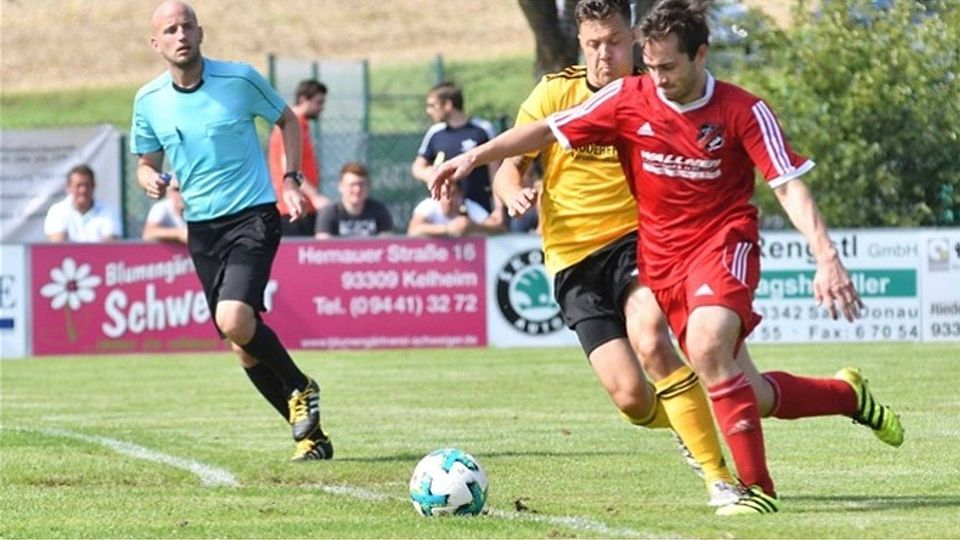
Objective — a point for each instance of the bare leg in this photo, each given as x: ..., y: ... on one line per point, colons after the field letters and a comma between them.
x: 621, y: 376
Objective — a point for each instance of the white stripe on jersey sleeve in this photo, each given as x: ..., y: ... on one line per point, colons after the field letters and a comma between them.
x: 791, y: 174
x: 558, y: 119
x: 485, y: 125
x: 772, y: 138
x: 439, y: 126
x: 562, y: 139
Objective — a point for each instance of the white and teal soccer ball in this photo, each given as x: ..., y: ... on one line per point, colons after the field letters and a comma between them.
x: 448, y: 481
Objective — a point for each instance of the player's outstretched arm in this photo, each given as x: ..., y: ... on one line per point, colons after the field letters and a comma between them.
x: 513, y: 142
x: 832, y: 286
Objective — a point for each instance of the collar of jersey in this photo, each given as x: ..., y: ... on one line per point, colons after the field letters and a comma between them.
x: 183, y: 90
x: 695, y: 104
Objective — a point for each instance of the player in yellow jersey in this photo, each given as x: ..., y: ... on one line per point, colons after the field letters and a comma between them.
x: 589, y: 227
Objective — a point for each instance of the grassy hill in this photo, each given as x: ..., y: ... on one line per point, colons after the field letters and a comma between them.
x: 86, y: 64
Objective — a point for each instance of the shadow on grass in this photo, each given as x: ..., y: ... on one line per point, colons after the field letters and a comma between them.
x: 868, y: 503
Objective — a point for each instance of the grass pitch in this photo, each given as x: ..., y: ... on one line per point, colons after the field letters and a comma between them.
x: 183, y: 447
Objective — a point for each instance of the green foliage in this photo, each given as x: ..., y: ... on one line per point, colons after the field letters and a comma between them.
x: 397, y: 95
x: 560, y: 460
x: 75, y: 107
x: 873, y: 96
x: 494, y: 90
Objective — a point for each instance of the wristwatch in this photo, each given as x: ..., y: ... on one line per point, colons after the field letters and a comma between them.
x: 296, y: 176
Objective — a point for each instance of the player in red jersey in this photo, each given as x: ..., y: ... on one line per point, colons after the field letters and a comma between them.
x: 689, y: 145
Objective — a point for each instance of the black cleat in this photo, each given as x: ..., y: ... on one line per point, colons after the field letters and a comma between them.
x: 305, y: 410
x: 314, y: 447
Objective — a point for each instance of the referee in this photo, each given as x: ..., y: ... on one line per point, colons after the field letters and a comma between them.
x: 199, y: 114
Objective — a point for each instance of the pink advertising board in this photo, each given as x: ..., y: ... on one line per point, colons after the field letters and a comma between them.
x: 117, y: 298
x: 131, y: 297
x: 383, y: 293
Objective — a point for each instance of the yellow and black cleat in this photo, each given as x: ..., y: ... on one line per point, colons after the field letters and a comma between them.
x: 314, y: 447
x: 753, y: 501
x: 305, y: 410
x: 880, y: 418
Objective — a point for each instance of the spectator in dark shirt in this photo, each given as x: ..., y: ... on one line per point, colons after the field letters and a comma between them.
x: 453, y: 133
x: 356, y: 214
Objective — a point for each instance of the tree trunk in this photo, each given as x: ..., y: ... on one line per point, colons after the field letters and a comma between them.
x: 556, y: 36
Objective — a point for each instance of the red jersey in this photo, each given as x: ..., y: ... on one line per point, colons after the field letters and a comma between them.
x: 276, y: 159
x: 691, y: 167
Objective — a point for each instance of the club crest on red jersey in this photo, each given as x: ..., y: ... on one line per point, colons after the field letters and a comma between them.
x: 710, y: 137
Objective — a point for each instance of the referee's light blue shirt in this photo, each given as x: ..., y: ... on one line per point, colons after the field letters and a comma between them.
x: 209, y: 136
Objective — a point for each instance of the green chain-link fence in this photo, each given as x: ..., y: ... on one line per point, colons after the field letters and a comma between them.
x: 380, y: 129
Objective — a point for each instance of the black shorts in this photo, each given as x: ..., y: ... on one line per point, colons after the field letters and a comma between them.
x: 233, y: 255
x: 591, y: 293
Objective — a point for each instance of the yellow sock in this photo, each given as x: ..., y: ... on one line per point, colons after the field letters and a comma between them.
x: 656, y: 418
x: 685, y: 402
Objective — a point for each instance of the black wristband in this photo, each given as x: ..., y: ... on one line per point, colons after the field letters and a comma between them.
x: 296, y: 176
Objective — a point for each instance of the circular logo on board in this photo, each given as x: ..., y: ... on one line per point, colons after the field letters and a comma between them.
x: 525, y: 296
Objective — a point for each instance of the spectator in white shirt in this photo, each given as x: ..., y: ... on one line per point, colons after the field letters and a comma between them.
x: 165, y: 220
x: 79, y: 217
x: 452, y: 216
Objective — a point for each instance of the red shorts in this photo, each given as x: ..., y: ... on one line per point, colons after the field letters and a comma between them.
x: 725, y: 273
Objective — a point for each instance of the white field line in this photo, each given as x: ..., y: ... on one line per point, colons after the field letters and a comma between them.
x: 213, y: 476
x: 575, y: 523
x: 352, y: 491
x: 209, y: 476
x: 570, y: 522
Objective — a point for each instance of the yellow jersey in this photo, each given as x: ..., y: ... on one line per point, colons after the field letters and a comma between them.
x: 586, y: 202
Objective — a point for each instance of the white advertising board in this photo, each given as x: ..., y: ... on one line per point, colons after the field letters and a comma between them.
x: 33, y: 170
x: 521, y: 311
x: 13, y: 301
x: 940, y: 284
x: 909, y: 281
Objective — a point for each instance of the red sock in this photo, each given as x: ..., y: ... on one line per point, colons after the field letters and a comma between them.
x: 801, y: 397
x: 735, y: 406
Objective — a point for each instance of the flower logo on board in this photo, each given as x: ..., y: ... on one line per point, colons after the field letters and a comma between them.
x: 70, y: 287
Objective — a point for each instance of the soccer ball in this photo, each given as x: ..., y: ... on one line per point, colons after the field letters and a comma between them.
x: 448, y: 481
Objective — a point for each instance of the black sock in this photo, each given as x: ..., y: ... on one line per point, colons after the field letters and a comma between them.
x: 266, y: 347
x: 270, y: 387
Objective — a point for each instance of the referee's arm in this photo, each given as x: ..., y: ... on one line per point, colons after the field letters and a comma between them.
x: 292, y: 146
x: 292, y: 149
x: 148, y: 174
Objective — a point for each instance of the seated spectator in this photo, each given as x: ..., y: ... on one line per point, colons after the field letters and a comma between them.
x: 79, y: 217
x: 165, y: 220
x: 452, y: 216
x: 356, y: 214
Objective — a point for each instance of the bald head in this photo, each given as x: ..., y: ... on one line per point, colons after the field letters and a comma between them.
x: 171, y: 9
x: 176, y: 35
